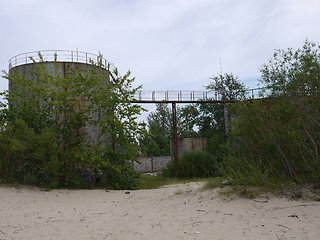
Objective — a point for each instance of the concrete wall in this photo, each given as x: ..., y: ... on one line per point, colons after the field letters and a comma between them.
x: 154, y: 164
x: 151, y: 164
x: 191, y: 145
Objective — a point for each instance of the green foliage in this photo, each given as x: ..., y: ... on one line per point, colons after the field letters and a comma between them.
x: 25, y: 154
x: 155, y: 141
x: 187, y: 121
x: 215, y: 182
x: 193, y: 165
x: 169, y: 170
x: 153, y: 182
x: 197, y: 120
x: 278, y: 137
x: 72, y: 130
x: 291, y: 72
x: 210, y: 119
x: 228, y: 86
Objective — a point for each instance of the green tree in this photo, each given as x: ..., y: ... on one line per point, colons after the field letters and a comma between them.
x: 155, y: 141
x: 187, y: 121
x: 228, y: 86
x: 63, y: 111
x: 157, y: 137
x: 210, y: 119
x: 214, y: 120
x: 291, y: 72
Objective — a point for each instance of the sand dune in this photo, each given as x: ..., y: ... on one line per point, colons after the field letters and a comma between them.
x: 174, y: 212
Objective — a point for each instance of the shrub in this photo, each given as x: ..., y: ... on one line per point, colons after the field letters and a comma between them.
x: 193, y: 165
x: 278, y: 137
x: 44, y: 129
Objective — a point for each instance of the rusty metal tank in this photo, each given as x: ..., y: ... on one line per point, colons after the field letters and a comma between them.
x: 60, y: 63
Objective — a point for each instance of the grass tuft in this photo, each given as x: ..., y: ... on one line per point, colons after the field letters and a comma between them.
x: 154, y: 182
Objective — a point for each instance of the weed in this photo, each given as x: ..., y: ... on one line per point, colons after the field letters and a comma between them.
x: 153, y: 182
x: 178, y: 192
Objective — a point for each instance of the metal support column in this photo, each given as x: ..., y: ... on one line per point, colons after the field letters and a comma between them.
x: 175, y: 139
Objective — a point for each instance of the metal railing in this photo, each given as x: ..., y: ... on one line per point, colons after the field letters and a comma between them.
x: 142, y: 95
x: 189, y: 95
x: 60, y: 56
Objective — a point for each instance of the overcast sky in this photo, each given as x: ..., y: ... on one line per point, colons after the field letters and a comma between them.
x: 167, y: 44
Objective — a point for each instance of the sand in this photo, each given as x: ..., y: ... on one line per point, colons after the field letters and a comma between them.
x: 174, y: 212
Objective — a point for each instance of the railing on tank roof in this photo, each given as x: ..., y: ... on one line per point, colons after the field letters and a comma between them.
x: 60, y: 56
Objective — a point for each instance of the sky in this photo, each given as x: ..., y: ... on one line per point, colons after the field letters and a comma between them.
x: 166, y: 44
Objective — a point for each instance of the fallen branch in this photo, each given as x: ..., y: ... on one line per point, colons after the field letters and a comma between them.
x: 284, y: 226
x: 201, y: 210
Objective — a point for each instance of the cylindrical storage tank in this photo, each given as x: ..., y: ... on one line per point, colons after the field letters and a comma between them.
x: 60, y: 63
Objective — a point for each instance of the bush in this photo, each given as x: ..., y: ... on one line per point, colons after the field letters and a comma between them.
x: 35, y: 159
x: 278, y: 137
x: 193, y: 165
x: 45, y: 126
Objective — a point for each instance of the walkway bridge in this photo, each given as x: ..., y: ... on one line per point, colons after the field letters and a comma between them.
x: 188, y: 96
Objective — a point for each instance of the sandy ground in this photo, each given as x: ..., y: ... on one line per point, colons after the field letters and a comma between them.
x: 174, y: 212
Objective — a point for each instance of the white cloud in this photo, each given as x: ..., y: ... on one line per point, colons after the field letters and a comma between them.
x: 168, y: 44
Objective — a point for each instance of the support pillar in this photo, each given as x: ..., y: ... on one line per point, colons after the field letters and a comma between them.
x: 175, y: 140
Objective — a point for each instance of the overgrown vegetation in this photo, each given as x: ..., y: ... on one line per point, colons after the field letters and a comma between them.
x: 201, y: 120
x: 206, y: 120
x: 276, y: 139
x: 279, y: 137
x: 69, y: 130
x: 155, y: 140
x: 193, y: 165
x: 153, y: 182
x: 273, y: 140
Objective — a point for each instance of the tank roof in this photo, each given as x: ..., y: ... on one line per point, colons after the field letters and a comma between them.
x: 60, y: 56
